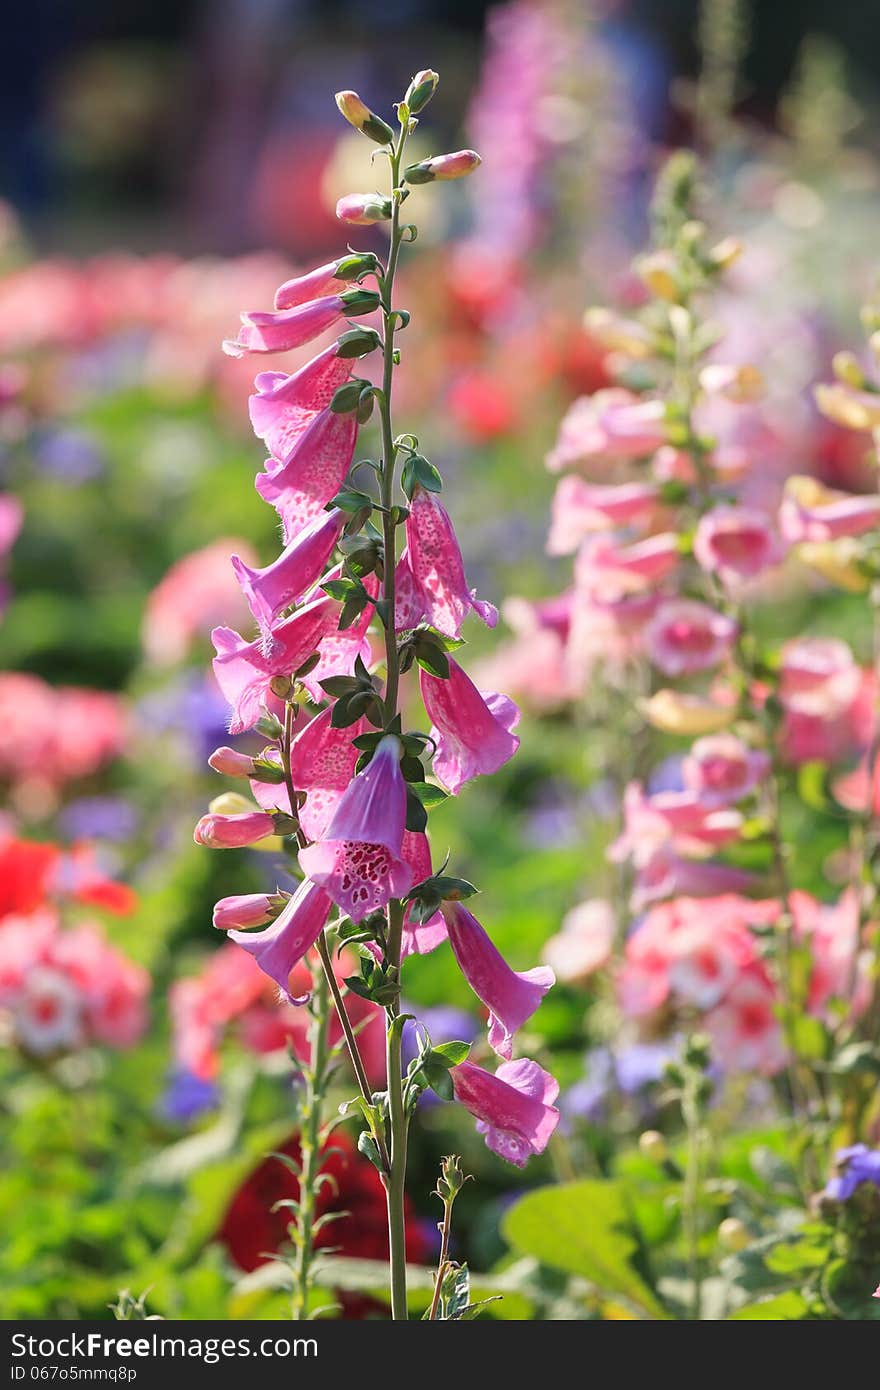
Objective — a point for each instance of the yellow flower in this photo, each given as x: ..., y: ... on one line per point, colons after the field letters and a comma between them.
x: 693, y: 715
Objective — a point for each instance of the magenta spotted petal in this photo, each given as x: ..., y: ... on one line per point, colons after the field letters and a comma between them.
x: 510, y: 997
x: 284, y: 943
x: 313, y: 474
x: 472, y: 731
x: 514, y: 1108
x: 283, y: 407
x: 244, y: 670
x: 437, y: 569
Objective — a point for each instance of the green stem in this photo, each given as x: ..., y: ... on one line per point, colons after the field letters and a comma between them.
x: 397, y: 1122
x: 310, y: 1146
x: 396, y: 1184
x: 691, y: 1200
x: 445, y: 1229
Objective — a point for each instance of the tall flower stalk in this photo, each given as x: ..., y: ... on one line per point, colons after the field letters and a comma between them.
x: 343, y: 787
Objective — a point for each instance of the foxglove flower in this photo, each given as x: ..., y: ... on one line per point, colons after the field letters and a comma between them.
x: 510, y: 997
x: 300, y: 489
x: 514, y: 1108
x: 322, y: 763
x: 304, y: 315
x: 419, y: 938
x: 580, y: 508
x: 609, y: 426
x: 813, y: 513
x: 359, y: 860
x: 244, y: 670
x: 232, y: 832
x: 283, y: 944
x: 244, y: 910
x: 435, y: 564
x: 723, y: 769
x: 606, y: 569
x: 283, y: 407
x: 299, y: 566
x: 736, y: 543
x: 472, y: 731
x: 685, y: 636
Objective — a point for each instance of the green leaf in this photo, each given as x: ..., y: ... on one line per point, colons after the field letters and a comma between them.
x: 430, y: 794
x: 782, y: 1307
x: 453, y: 1053
x: 583, y: 1228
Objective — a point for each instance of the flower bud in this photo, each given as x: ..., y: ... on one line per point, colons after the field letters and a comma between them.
x: 726, y: 252
x: 246, y: 910
x: 235, y: 831
x: 846, y: 368
x: 363, y: 209
x: 741, y: 383
x: 359, y: 115
x: 672, y: 712
x: 658, y: 272
x: 838, y: 562
x: 733, y: 1235
x: 231, y: 763
x: 653, y: 1146
x: 443, y: 166
x: 231, y: 804
x: 420, y: 90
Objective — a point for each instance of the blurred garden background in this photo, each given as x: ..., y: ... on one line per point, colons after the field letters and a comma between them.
x: 163, y: 166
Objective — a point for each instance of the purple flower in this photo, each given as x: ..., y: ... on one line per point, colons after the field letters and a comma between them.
x: 187, y: 1096
x: 99, y: 818
x: 854, y: 1165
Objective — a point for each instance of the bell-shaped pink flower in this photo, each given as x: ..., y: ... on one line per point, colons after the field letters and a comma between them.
x: 322, y: 763
x: 611, y: 425
x: 265, y: 331
x: 272, y: 589
x: 244, y: 910
x: 283, y: 407
x: 811, y: 512
x: 472, y: 731
x: 300, y: 489
x: 420, y: 938
x: 722, y: 769
x: 435, y: 564
x: 579, y: 508
x: 686, y: 636
x: 341, y: 648
x: 244, y: 670
x: 510, y: 997
x: 283, y: 944
x: 313, y: 285
x: 606, y: 569
x: 232, y: 832
x: 359, y: 861
x: 514, y: 1108
x: 736, y: 543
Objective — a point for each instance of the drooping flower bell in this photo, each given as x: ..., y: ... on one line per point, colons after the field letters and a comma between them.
x: 510, y: 997
x: 300, y: 488
x: 283, y: 407
x: 282, y: 945
x: 244, y: 670
x: 438, y: 587
x: 514, y: 1108
x: 359, y: 860
x: 322, y: 763
x: 472, y: 731
x: 812, y: 512
x: 736, y: 543
x: 685, y: 636
x: 298, y: 568
x: 304, y: 308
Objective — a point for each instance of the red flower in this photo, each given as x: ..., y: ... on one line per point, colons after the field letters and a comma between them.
x: 252, y: 1231
x: 25, y: 872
